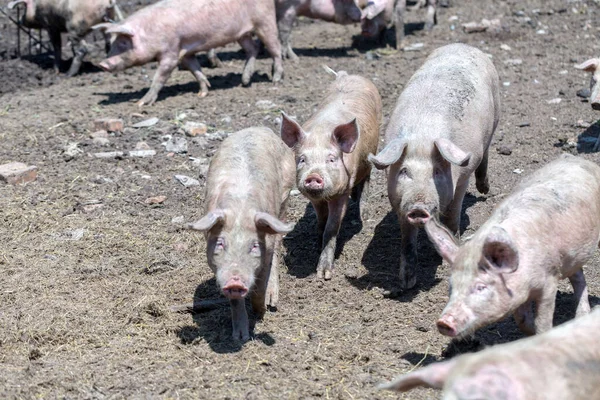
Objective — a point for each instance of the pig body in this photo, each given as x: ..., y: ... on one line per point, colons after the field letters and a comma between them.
x: 173, y: 31
x: 248, y: 184
x: 76, y: 17
x: 563, y: 363
x: 544, y: 231
x: 438, y: 135
x: 338, y: 11
x: 331, y: 155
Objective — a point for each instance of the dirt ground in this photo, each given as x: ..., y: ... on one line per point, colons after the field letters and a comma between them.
x: 89, y: 271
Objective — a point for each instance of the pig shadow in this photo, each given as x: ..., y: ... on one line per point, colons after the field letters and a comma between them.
x: 214, y: 326
x: 588, y: 138
x: 220, y: 82
x: 303, y: 246
x: 338, y: 52
x: 45, y: 61
x: 419, y: 359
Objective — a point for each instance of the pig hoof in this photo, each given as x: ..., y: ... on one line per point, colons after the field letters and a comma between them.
x: 327, y: 275
x: 319, y: 274
x: 202, y: 94
x: 272, y: 298
x: 241, y: 335
x: 408, y: 283
x: 483, y: 187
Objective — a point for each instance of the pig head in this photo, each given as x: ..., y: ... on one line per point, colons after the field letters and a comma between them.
x: 122, y: 53
x: 592, y: 67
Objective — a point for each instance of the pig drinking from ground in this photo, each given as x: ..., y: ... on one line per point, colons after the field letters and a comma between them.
x: 338, y: 11
x: 544, y: 231
x: 563, y: 363
x: 173, y: 31
x: 76, y: 17
x: 592, y: 66
x: 331, y: 155
x: 438, y: 134
x: 248, y: 183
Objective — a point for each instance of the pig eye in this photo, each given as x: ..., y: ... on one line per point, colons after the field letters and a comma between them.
x: 331, y: 158
x: 404, y: 173
x: 480, y: 287
x: 219, y: 244
x: 437, y: 172
x: 301, y: 160
x: 255, y: 250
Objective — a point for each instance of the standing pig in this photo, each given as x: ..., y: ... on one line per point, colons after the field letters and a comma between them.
x: 331, y: 155
x: 76, y: 17
x: 438, y: 134
x: 173, y: 31
x: 544, y: 231
x: 339, y: 11
x: 560, y: 364
x: 248, y: 184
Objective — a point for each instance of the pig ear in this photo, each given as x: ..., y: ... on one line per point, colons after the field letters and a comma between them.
x: 452, y: 153
x: 444, y: 241
x: 433, y: 376
x: 209, y: 221
x: 389, y: 155
x: 346, y: 136
x: 103, y: 26
x: 500, y: 252
x: 291, y: 131
x: 373, y: 8
x: 15, y: 3
x: 589, y: 65
x: 120, y: 30
x: 269, y: 224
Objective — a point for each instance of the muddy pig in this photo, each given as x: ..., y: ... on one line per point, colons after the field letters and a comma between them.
x: 338, y: 11
x: 248, y: 184
x: 592, y: 67
x: 76, y: 17
x: 559, y: 364
x: 438, y: 134
x: 331, y: 155
x: 544, y: 231
x: 173, y: 31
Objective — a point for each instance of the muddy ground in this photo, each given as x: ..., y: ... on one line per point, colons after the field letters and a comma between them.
x: 88, y: 270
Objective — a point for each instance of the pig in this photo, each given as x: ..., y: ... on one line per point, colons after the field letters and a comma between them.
x: 591, y: 66
x: 339, y: 11
x: 563, y: 363
x: 544, y: 231
x: 76, y: 17
x: 173, y: 31
x: 438, y: 134
x: 331, y: 151
x: 248, y: 184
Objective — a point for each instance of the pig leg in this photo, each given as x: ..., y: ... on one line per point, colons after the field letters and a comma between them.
x: 399, y: 12
x: 191, y: 62
x: 213, y: 60
x: 272, y: 297
x: 57, y: 46
x: 408, y: 254
x: 452, y: 216
x: 322, y: 211
x: 268, y: 36
x: 360, y: 193
x: 251, y: 52
x: 431, y: 18
x: 79, y: 51
x: 285, y: 21
x: 545, y: 304
x: 337, y: 209
x: 580, y: 292
x: 239, y: 320
x: 481, y: 178
x: 166, y: 65
x: 524, y: 318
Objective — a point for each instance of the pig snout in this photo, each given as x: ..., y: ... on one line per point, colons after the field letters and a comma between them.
x: 354, y: 14
x: 104, y: 65
x: 419, y: 214
x: 596, y: 104
x: 234, y: 288
x: 447, y: 326
x: 314, y: 183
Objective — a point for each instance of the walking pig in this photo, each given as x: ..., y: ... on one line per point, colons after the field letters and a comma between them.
x: 560, y: 364
x: 173, y: 31
x: 331, y: 155
x: 544, y: 231
x: 248, y: 183
x: 438, y: 134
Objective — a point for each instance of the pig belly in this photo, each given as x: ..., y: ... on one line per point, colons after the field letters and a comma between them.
x: 215, y: 39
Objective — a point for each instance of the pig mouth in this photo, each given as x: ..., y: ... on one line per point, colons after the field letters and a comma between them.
x: 235, y: 293
x: 418, y: 217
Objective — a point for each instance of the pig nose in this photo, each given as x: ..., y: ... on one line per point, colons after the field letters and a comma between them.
x: 596, y: 105
x: 235, y: 288
x: 446, y: 326
x: 418, y: 215
x: 314, y: 182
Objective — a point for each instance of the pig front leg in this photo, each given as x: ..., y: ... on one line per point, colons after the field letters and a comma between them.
x: 251, y: 52
x: 272, y: 295
x: 191, y: 63
x: 580, y: 293
x: 408, y: 254
x: 239, y: 320
x: 336, y: 209
x: 525, y: 319
x: 166, y: 65
x: 56, y: 40
x: 267, y: 33
x: 545, y: 303
x: 285, y: 21
x: 451, y: 218
x: 481, y: 178
x: 399, y: 12
x: 79, y: 51
x: 431, y: 17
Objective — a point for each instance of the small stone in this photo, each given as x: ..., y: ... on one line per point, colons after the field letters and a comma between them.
x: 524, y: 124
x: 109, y: 124
x: 180, y: 247
x: 506, y: 84
x: 146, y: 123
x: 142, y: 153
x: 265, y: 105
x: 71, y: 151
x: 74, y: 235
x: 294, y: 192
x: 226, y: 120
x: 100, y: 141
x: 89, y: 208
x: 16, y: 172
x: 513, y: 61
x: 453, y: 18
x: 583, y: 93
x: 155, y: 200
x: 196, y: 162
x: 414, y: 47
x: 187, y: 181
x: 541, y: 32
x: 142, y: 146
x: 176, y: 145
x: 554, y: 101
x: 582, y: 124
x: 109, y: 154
x: 563, y: 72
x: 504, y: 150
x: 505, y: 47
x: 99, y: 134
x: 101, y: 180
x: 194, y: 129
x: 178, y: 220
x: 518, y: 171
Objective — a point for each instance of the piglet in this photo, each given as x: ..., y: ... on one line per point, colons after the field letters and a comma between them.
x: 248, y: 184
x: 173, y: 31
x: 544, y: 231
x: 438, y: 135
x: 557, y: 365
x: 331, y: 155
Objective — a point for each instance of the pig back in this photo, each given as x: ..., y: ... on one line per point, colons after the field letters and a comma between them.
x: 252, y: 170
